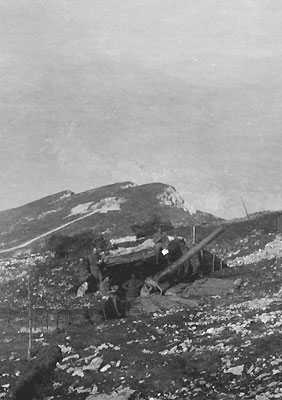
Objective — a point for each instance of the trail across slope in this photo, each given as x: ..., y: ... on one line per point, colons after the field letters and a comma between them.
x: 20, y: 246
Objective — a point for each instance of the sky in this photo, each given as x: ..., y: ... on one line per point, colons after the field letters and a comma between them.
x: 187, y: 93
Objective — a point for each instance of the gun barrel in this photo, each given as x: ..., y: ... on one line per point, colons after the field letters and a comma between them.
x: 173, y: 267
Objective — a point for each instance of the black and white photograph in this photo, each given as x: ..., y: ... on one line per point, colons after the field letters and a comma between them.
x: 140, y: 199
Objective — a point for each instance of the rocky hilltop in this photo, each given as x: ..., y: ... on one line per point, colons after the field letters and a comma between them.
x: 114, y: 209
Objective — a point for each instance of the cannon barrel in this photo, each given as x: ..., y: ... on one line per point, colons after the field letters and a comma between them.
x: 174, y: 266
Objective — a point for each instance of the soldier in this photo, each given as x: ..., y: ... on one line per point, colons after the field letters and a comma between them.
x: 94, y: 260
x: 132, y: 288
x: 110, y: 293
x: 195, y: 261
x: 187, y: 269
x: 82, y: 271
x: 161, y: 243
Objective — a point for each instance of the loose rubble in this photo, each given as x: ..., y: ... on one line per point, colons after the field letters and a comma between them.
x: 216, y: 338
x: 271, y: 250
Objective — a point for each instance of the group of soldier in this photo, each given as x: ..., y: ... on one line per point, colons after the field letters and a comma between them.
x: 92, y: 276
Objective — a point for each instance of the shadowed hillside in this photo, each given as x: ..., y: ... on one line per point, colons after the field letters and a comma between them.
x: 113, y: 209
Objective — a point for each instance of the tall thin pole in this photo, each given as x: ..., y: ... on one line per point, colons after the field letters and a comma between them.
x: 193, y: 234
x: 29, y: 320
x: 245, y: 208
x: 47, y: 319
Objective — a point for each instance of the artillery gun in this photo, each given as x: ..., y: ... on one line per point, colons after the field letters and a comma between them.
x: 187, y: 256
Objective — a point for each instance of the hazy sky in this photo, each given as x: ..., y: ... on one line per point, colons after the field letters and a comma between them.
x: 185, y: 92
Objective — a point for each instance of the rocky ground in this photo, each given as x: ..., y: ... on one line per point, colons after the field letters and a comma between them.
x: 227, y: 348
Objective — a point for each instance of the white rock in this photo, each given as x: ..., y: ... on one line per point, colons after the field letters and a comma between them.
x: 105, y: 368
x: 94, y: 365
x: 81, y: 389
x: 261, y: 397
x: 235, y: 370
x: 65, y: 349
x: 78, y: 371
x: 70, y: 357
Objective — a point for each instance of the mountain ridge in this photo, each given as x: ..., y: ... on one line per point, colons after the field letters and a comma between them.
x: 112, y: 208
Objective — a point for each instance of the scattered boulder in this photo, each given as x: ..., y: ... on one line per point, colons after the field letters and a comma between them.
x: 121, y: 394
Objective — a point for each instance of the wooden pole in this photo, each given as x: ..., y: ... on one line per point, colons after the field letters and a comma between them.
x: 29, y: 321
x: 213, y: 261
x: 245, y: 208
x: 47, y: 319
x: 194, y: 235
x: 34, y: 317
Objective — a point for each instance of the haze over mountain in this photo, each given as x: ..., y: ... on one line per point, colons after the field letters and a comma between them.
x: 187, y: 93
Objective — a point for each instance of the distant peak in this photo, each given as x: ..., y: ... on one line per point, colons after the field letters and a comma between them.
x: 126, y: 185
x: 170, y: 197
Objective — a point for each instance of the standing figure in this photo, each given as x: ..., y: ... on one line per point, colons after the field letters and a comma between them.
x: 94, y: 260
x: 83, y: 272
x: 102, y: 261
x: 158, y: 244
x: 187, y: 269
x: 161, y: 244
x: 109, y: 293
x: 195, y: 261
x: 132, y: 288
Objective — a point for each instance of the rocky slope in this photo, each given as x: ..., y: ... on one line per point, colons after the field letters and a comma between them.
x: 113, y: 209
x: 229, y: 348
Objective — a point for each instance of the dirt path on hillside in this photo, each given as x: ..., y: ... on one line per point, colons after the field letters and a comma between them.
x: 20, y: 246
